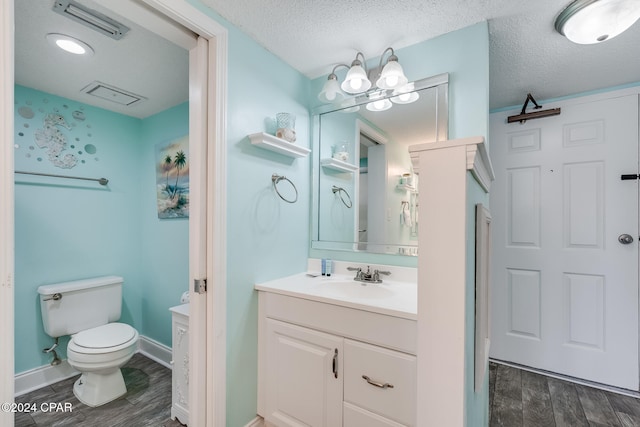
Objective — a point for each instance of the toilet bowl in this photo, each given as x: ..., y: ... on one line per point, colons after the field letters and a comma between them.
x: 88, y: 310
x: 99, y: 353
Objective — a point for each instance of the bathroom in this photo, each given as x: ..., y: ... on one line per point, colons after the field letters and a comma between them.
x: 266, y: 239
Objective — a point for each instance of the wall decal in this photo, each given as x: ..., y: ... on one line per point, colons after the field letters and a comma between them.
x: 53, y: 126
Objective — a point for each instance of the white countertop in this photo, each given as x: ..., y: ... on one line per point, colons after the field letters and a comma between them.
x: 181, y: 309
x: 398, y: 299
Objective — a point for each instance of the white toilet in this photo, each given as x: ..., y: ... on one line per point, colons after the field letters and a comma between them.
x: 88, y: 310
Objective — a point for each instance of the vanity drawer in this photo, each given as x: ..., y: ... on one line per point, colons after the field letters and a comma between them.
x: 358, y: 417
x: 381, y: 366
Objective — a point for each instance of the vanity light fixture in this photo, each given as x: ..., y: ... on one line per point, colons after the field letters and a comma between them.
x: 69, y: 44
x: 356, y: 80
x: 378, y: 102
x: 388, y: 75
x: 594, y: 21
x: 405, y: 95
x: 331, y: 90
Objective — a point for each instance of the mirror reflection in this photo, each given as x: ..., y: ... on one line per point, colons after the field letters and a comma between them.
x: 366, y: 192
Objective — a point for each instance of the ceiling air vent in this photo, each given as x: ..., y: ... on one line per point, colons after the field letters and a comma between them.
x: 112, y: 93
x: 90, y: 18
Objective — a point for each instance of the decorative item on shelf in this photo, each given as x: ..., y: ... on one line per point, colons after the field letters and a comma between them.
x: 340, y: 151
x: 286, y: 123
x: 387, y: 76
x: 594, y: 21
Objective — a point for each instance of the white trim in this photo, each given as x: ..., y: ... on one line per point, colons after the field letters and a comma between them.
x: 152, y: 21
x: 6, y: 211
x: 442, y: 287
x: 480, y: 165
x: 216, y: 241
x: 42, y: 376
x: 155, y: 351
x: 256, y: 422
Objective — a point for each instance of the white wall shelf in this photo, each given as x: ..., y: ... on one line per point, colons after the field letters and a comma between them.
x: 339, y: 165
x: 271, y: 143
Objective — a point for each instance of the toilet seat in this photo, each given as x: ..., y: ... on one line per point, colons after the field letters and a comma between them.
x: 108, y: 338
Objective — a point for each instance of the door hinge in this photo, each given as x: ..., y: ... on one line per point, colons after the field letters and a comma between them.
x: 627, y: 177
x: 200, y: 286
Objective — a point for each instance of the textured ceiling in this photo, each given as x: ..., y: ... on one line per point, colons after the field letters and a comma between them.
x: 140, y: 62
x: 526, y: 53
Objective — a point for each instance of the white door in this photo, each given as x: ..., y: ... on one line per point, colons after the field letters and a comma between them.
x: 564, y: 289
x: 304, y: 377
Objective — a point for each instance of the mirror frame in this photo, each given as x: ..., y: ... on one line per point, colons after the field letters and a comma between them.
x: 441, y: 83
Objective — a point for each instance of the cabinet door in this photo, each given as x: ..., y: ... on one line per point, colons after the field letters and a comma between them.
x: 304, y: 377
x: 180, y: 374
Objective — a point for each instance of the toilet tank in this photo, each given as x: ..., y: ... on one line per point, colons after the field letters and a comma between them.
x: 70, y: 307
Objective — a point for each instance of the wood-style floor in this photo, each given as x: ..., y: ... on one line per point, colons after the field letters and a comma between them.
x: 521, y: 398
x: 147, y: 402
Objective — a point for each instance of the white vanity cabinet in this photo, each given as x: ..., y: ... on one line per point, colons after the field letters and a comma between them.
x: 304, y: 376
x: 180, y: 363
x: 324, y: 365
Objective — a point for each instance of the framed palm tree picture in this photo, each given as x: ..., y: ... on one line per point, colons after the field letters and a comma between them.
x: 172, y: 178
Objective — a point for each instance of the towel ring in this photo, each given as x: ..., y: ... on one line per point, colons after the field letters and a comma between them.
x: 340, y: 192
x: 275, y: 179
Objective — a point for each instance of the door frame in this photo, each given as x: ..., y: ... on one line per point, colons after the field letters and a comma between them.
x: 6, y: 211
x: 208, y: 103
x: 578, y: 99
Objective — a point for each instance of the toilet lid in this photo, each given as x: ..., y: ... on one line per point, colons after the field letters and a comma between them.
x: 109, y: 335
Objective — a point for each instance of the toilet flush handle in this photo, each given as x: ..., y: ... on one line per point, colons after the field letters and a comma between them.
x: 57, y: 296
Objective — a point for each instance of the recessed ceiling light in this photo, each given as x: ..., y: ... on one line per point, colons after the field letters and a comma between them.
x: 70, y: 44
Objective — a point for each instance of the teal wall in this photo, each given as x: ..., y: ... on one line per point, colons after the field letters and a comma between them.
x: 267, y: 238
x: 68, y: 229
x: 72, y: 231
x: 164, y: 256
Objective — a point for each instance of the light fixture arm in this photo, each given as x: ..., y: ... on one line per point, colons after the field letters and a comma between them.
x: 333, y: 72
x: 392, y: 57
x: 363, y: 63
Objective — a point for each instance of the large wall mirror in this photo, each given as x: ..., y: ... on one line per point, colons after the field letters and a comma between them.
x: 365, y: 191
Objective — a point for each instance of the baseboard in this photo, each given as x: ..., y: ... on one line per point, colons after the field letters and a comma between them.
x: 256, y: 422
x: 42, y: 376
x: 155, y: 351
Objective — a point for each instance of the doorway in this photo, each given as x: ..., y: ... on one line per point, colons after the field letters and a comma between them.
x: 565, y: 288
x: 208, y: 128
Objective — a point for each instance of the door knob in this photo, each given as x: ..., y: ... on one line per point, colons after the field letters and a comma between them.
x: 625, y: 239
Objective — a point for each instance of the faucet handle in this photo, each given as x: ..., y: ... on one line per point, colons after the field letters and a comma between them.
x: 354, y: 269
x: 386, y: 273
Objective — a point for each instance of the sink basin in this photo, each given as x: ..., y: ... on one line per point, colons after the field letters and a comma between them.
x: 353, y: 289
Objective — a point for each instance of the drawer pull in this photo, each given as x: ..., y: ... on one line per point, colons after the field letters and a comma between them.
x: 376, y: 383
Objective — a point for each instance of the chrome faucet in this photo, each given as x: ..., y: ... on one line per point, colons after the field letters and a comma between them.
x: 368, y: 276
